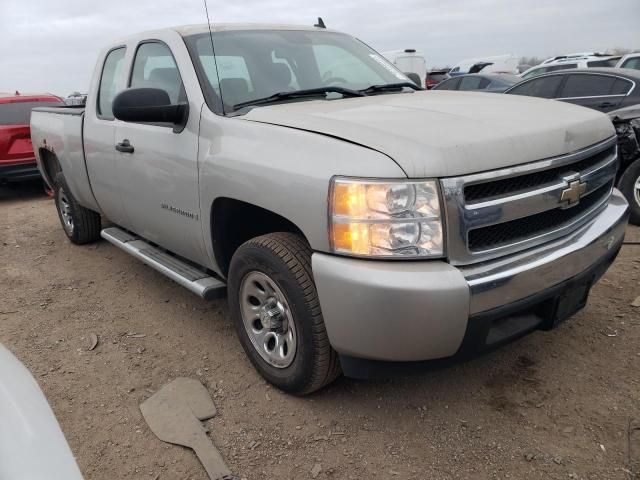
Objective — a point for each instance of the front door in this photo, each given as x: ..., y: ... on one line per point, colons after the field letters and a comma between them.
x: 158, y: 177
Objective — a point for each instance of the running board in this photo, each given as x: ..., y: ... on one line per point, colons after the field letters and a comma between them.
x: 198, y: 281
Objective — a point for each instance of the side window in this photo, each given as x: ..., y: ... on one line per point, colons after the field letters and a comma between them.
x: 155, y: 67
x: 450, y: 84
x: 584, y: 85
x: 111, y: 73
x: 535, y: 73
x: 610, y: 62
x: 545, y: 87
x: 565, y: 66
x: 632, y: 63
x: 621, y: 87
x: 469, y: 83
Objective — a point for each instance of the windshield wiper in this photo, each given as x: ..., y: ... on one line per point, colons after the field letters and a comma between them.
x: 310, y: 92
x: 386, y: 87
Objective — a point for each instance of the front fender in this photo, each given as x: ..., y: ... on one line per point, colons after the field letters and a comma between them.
x: 281, y: 169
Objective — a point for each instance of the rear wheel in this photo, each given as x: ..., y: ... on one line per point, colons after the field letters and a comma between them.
x: 629, y: 185
x: 80, y: 224
x: 276, y: 313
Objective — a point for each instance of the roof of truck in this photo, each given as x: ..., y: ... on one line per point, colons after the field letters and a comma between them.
x: 225, y: 27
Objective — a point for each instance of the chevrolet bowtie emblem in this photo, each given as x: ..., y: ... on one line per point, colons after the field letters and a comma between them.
x: 572, y: 194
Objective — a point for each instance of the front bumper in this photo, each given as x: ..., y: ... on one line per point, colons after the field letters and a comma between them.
x: 396, y: 311
x: 19, y: 172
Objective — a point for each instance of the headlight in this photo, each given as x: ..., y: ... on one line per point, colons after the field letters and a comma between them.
x: 373, y: 218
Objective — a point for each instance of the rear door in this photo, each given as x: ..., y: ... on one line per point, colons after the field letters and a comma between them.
x: 99, y: 131
x: 159, y: 179
x: 600, y: 92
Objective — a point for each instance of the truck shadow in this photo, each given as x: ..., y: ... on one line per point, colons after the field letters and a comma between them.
x: 31, y: 190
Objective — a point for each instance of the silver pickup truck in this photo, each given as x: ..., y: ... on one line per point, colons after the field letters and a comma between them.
x: 355, y: 223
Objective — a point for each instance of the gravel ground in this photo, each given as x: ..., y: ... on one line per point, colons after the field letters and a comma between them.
x: 553, y: 405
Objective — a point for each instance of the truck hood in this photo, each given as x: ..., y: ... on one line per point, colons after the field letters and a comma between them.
x: 439, y: 134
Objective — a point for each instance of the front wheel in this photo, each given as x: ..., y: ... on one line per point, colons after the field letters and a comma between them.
x: 629, y: 185
x: 276, y: 313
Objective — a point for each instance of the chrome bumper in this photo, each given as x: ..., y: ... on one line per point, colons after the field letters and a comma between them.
x: 413, y: 311
x: 502, y: 281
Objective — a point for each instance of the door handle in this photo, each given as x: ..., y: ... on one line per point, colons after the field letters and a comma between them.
x: 124, y: 146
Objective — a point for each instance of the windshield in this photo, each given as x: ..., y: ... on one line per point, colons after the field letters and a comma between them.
x: 254, y: 64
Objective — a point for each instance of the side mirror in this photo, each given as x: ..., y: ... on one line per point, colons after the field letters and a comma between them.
x: 149, y: 105
x: 414, y: 77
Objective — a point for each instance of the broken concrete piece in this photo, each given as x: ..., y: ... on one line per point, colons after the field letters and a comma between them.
x: 174, y: 414
x: 93, y: 341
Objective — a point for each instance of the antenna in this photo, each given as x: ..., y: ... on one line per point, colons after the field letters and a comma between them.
x: 213, y: 49
x: 320, y: 23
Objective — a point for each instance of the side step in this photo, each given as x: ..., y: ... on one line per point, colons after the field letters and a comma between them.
x: 198, y: 281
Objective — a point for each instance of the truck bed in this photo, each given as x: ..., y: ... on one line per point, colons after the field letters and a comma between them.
x: 62, y: 109
x: 57, y: 133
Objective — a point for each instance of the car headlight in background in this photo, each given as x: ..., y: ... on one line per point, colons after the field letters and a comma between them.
x: 385, y: 218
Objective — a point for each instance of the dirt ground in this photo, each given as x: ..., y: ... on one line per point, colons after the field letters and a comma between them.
x: 560, y: 404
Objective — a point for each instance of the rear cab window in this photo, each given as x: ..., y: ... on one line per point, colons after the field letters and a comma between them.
x: 112, y: 71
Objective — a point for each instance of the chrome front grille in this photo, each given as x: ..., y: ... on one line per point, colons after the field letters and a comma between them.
x: 500, y: 212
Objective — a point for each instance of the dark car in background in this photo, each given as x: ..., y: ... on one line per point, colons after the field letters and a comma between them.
x: 627, y: 124
x: 603, y: 89
x: 612, y: 90
x: 17, y: 161
x: 486, y: 82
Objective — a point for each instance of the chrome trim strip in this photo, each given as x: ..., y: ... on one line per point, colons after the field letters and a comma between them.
x: 520, y: 205
x: 591, y: 96
x: 462, y: 217
x: 509, y: 279
x: 548, y: 235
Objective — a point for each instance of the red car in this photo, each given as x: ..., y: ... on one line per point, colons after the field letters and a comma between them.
x: 17, y: 161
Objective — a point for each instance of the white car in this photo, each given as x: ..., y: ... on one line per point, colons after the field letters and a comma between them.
x: 409, y: 60
x: 32, y: 446
x: 571, y: 61
x: 631, y: 60
x: 507, y: 63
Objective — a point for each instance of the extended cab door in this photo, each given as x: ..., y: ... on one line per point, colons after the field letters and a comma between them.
x: 600, y: 92
x: 159, y: 176
x: 99, y: 133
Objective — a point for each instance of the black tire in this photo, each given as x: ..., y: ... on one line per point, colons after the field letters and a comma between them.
x: 80, y: 224
x: 286, y: 259
x: 627, y: 185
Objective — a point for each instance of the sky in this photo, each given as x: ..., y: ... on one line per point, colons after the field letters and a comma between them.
x: 52, y: 45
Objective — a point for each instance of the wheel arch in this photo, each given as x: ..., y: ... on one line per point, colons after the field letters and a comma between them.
x: 233, y: 222
x: 50, y: 165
